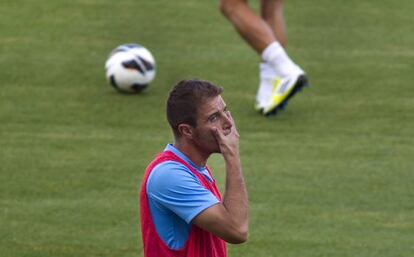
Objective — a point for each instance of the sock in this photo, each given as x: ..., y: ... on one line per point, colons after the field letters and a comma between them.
x: 267, y: 74
x: 276, y: 56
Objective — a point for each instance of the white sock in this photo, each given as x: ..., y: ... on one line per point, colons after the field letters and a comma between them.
x: 276, y: 56
x: 267, y: 74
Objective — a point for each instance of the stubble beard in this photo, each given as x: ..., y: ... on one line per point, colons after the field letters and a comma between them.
x: 206, y: 146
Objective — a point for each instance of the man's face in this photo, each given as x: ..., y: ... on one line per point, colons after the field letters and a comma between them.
x: 211, y: 114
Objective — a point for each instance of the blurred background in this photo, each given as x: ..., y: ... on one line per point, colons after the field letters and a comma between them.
x: 331, y: 176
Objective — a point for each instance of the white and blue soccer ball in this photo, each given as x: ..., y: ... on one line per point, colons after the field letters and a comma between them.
x: 130, y: 68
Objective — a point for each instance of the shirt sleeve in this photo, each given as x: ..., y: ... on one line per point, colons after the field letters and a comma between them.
x: 173, y: 186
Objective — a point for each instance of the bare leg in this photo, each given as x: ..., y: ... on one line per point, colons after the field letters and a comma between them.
x: 250, y: 26
x: 280, y: 77
x: 272, y: 12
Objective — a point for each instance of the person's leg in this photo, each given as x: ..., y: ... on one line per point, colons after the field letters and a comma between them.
x: 280, y: 78
x: 272, y: 13
x: 250, y: 26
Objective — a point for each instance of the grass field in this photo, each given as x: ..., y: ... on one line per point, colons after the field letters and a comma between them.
x: 331, y: 176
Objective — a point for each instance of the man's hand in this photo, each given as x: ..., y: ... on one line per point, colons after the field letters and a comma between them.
x: 229, y: 219
x: 228, y: 138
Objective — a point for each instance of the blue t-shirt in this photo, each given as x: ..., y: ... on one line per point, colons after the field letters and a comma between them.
x: 175, y: 197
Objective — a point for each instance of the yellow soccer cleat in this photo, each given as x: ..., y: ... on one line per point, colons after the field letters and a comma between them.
x: 282, y: 90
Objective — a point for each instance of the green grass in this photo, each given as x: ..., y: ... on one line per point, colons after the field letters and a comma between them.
x: 331, y: 176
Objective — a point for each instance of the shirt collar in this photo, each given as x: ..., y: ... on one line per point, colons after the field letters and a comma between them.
x: 177, y: 152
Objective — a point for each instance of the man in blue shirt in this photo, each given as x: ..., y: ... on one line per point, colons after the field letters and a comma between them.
x: 175, y: 198
x: 182, y: 212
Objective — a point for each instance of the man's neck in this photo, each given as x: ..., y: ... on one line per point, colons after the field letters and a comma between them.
x: 192, y: 153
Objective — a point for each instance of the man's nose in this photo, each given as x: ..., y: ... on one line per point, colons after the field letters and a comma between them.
x: 227, y: 122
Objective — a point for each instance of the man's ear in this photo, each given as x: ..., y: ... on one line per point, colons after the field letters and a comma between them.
x: 185, y: 130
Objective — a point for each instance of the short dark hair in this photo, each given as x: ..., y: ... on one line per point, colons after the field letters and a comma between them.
x: 184, y: 100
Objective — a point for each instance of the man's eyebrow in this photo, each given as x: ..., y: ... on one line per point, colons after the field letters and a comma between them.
x: 217, y: 112
x: 213, y: 114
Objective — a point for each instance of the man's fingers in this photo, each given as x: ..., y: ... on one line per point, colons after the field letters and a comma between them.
x: 218, y: 134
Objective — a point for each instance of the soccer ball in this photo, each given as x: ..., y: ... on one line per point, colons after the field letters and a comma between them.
x: 130, y: 68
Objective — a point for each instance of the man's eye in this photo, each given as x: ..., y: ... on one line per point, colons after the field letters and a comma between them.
x: 213, y: 118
